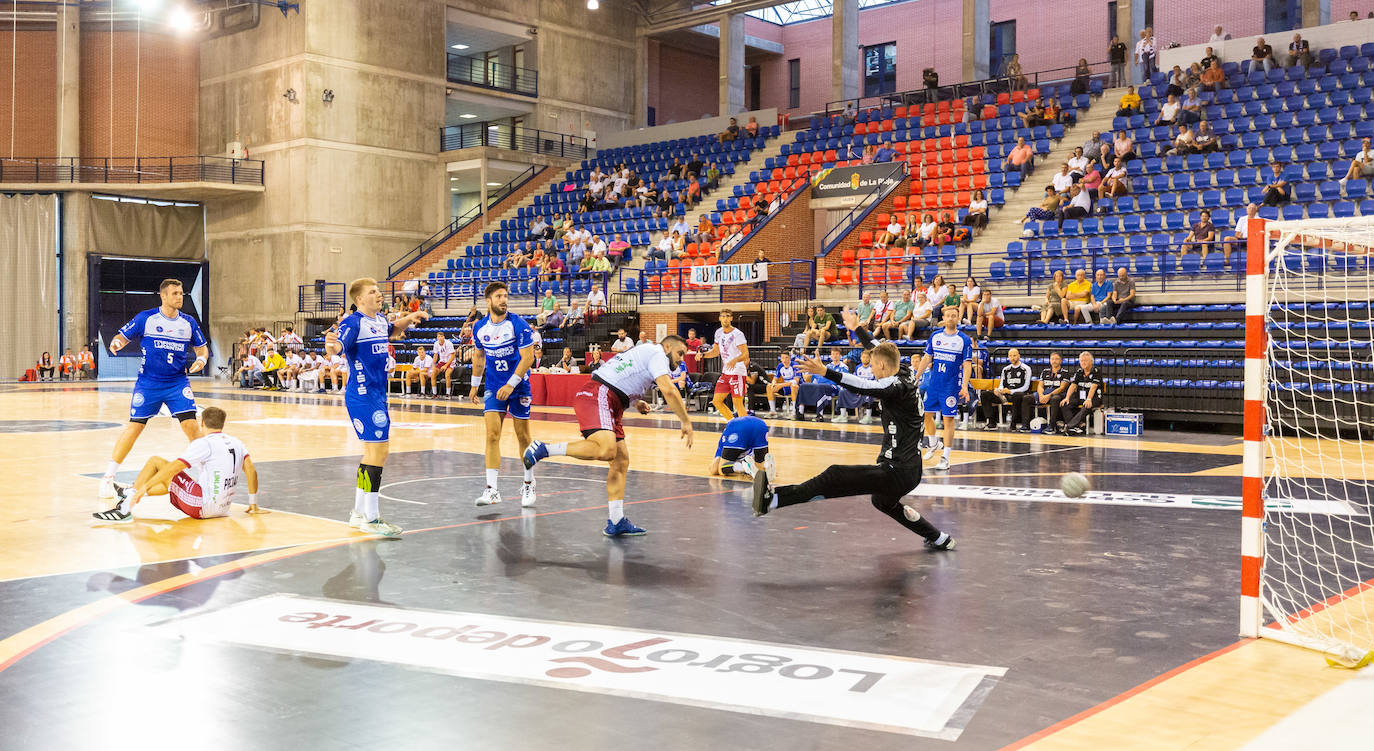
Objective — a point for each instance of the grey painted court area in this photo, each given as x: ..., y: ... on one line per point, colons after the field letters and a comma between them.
x: 1076, y: 602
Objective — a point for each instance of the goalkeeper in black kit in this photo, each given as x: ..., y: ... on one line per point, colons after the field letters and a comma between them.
x: 898, y: 470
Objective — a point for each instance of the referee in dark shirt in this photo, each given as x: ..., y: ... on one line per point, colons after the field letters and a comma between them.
x: 898, y: 470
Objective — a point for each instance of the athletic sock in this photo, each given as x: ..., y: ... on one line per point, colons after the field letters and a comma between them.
x: 492, y: 474
x: 616, y: 511
x: 369, y: 485
x: 358, y: 500
x: 842, y: 414
x: 372, y: 507
x: 772, y: 405
x: 946, y: 453
x: 112, y: 469
x: 529, y: 475
x: 557, y: 449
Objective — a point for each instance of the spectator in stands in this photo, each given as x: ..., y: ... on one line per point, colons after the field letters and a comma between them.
x: 920, y: 316
x: 538, y: 228
x: 1116, y: 54
x: 551, y: 271
x: 1168, y: 112
x: 926, y: 232
x: 945, y: 229
x: 1100, y: 302
x: 1034, y: 114
x: 1054, y: 300
x: 731, y: 132
x: 1078, y: 206
x: 1177, y: 83
x: 1218, y: 36
x: 1078, y: 164
x: 1117, y: 182
x: 1184, y: 143
x: 616, y: 250
x: 1262, y: 56
x: 892, y: 234
x: 622, y: 341
x: 679, y: 242
x: 1122, y: 298
x: 706, y: 230
x: 1191, y: 111
x: 822, y: 329
x: 1076, y: 294
x: 930, y: 78
x: 1211, y: 57
x: 869, y: 154
x: 712, y: 176
x: 1145, y: 54
x: 882, y: 311
x: 45, y: 367
x: 952, y: 300
x: 885, y: 153
x: 250, y: 372
x: 1012, y: 390
x: 1192, y: 78
x: 516, y: 259
x: 547, y: 304
x: 1092, y: 184
x: 1239, y: 232
x: 1047, y: 209
x: 977, y: 216
x: 1020, y: 159
x: 1213, y: 78
x: 1081, y: 75
x: 1361, y: 165
x: 990, y: 314
x: 936, y: 294
x: 1354, y: 15
x: 1062, y: 179
x: 85, y: 363
x: 664, y: 247
x: 761, y: 207
x: 1084, y: 394
x: 644, y: 337
x: 648, y: 194
x: 1201, y: 235
x: 1205, y: 139
x: 1011, y: 70
x: 865, y: 311
x: 600, y: 264
x: 896, y: 314
x: 1130, y: 103
x: 577, y: 253
x: 596, y: 303
x: 598, y: 246
x: 969, y: 298
x: 573, y: 320
x: 1299, y: 53
x: 568, y: 362
x: 692, y: 196
x: 849, y: 114
x: 594, y: 358
x: 751, y: 128
x: 1277, y: 191
x: 1049, y: 392
x: 1092, y: 148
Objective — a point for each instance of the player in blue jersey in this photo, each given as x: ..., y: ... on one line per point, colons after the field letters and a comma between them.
x: 165, y: 334
x: 949, y: 359
x: 742, y: 448
x: 502, y: 355
x: 785, y: 382
x: 364, y: 339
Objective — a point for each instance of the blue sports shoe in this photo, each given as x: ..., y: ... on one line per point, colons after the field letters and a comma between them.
x: 535, y: 453
x: 622, y: 528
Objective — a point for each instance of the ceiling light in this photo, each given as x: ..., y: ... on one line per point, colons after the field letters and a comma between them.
x: 593, y: 4
x: 493, y: 185
x: 460, y: 46
x: 180, y: 19
x: 467, y: 116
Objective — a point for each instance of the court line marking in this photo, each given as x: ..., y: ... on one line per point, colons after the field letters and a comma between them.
x: 381, y: 492
x: 23, y: 643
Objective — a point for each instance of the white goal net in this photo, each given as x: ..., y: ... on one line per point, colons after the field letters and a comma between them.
x: 1316, y: 535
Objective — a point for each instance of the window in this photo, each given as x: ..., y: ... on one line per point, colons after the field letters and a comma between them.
x: 794, y: 83
x: 1282, y: 15
x: 880, y: 69
x: 1001, y: 46
x: 1111, y: 20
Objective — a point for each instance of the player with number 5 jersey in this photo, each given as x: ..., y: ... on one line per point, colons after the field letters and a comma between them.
x: 165, y: 334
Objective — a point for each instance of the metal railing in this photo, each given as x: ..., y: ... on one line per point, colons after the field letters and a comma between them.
x: 992, y: 85
x: 461, y: 222
x: 474, y: 71
x: 328, y: 299
x: 866, y: 204
x: 675, y: 285
x: 732, y: 244
x: 453, y: 137
x: 147, y: 169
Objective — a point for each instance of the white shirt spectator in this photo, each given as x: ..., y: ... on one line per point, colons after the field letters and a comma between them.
x: 1078, y: 164
x: 992, y: 307
x: 1061, y: 182
x: 927, y: 230
x: 1117, y: 172
x: 937, y: 295
x: 596, y: 185
x: 895, y: 228
x: 976, y: 205
x: 922, y: 309
x: 1217, y: 36
x: 423, y: 362
x: 1242, y: 228
x: 881, y: 309
x: 1169, y: 110
x: 599, y: 247
x: 972, y: 293
x: 666, y: 244
x: 444, y: 352
x: 596, y: 300
x: 411, y: 287
x: 622, y: 344
x: 619, y: 184
x: 1082, y: 201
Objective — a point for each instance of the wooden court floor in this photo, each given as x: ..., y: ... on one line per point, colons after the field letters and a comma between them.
x: 1111, y: 622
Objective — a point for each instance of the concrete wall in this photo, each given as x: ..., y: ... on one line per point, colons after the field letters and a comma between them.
x: 683, y: 85
x: 698, y: 127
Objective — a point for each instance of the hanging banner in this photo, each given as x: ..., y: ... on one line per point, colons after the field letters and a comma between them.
x: 730, y: 273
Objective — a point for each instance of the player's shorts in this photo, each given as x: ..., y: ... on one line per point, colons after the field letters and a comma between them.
x: 786, y: 390
x: 517, y: 406
x: 733, y: 454
x: 370, y: 418
x: 735, y: 385
x: 149, y: 398
x: 185, y: 494
x: 939, y: 403
x: 599, y: 408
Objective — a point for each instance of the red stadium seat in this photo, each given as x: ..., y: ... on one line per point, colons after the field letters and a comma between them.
x: 828, y: 276
x: 899, y: 203
x: 884, y: 219
x: 792, y: 160
x: 866, y: 239
x: 845, y: 276
x: 899, y: 112
x: 980, y: 182
x: 847, y: 257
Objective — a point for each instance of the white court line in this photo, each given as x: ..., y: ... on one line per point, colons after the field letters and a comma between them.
x: 382, y: 494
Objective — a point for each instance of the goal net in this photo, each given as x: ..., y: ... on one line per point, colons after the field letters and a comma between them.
x: 1308, y: 567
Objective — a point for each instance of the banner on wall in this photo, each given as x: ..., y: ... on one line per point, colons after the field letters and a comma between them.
x: 730, y: 273
x: 846, y: 186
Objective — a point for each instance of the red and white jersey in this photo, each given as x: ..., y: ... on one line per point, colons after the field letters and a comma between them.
x: 338, y: 362
x: 730, y: 345
x: 290, y: 339
x: 635, y: 369
x: 216, y: 460
x: 443, y: 353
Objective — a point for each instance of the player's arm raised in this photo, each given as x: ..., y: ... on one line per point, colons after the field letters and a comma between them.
x: 674, y: 399
x: 479, y: 369
x: 398, y: 329
x: 521, y: 368
x: 250, y: 473
x: 851, y: 322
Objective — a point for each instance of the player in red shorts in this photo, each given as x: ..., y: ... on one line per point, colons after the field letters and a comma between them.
x: 615, y: 386
x: 215, y: 458
x: 733, y: 352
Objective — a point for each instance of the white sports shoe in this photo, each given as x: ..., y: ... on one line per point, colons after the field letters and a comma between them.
x: 942, y: 465
x: 770, y: 468
x: 380, y: 526
x: 746, y: 466
x: 355, y: 519
x: 866, y: 420
x: 107, y: 488
x: 934, y: 448
x: 527, y: 496
x: 489, y: 497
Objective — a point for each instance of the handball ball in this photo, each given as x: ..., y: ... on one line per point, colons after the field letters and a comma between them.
x: 1074, y: 484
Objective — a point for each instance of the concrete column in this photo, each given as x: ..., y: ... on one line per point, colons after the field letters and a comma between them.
x: 76, y: 217
x: 844, y: 51
x: 1130, y: 21
x: 68, y: 66
x: 731, y: 64
x: 1316, y: 12
x: 640, y: 104
x: 482, y: 191
x: 976, y: 30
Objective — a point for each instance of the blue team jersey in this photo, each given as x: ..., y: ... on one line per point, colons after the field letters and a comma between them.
x: 501, y: 344
x: 165, y: 342
x: 948, y: 353
x: 745, y: 433
x: 682, y: 371
x: 366, y: 347
x: 785, y: 372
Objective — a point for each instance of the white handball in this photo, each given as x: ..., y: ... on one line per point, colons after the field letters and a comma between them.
x: 1074, y: 484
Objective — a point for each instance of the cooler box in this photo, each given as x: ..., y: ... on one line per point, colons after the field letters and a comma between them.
x: 1125, y: 423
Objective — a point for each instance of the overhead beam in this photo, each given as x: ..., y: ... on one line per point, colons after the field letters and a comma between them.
x: 659, y: 22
